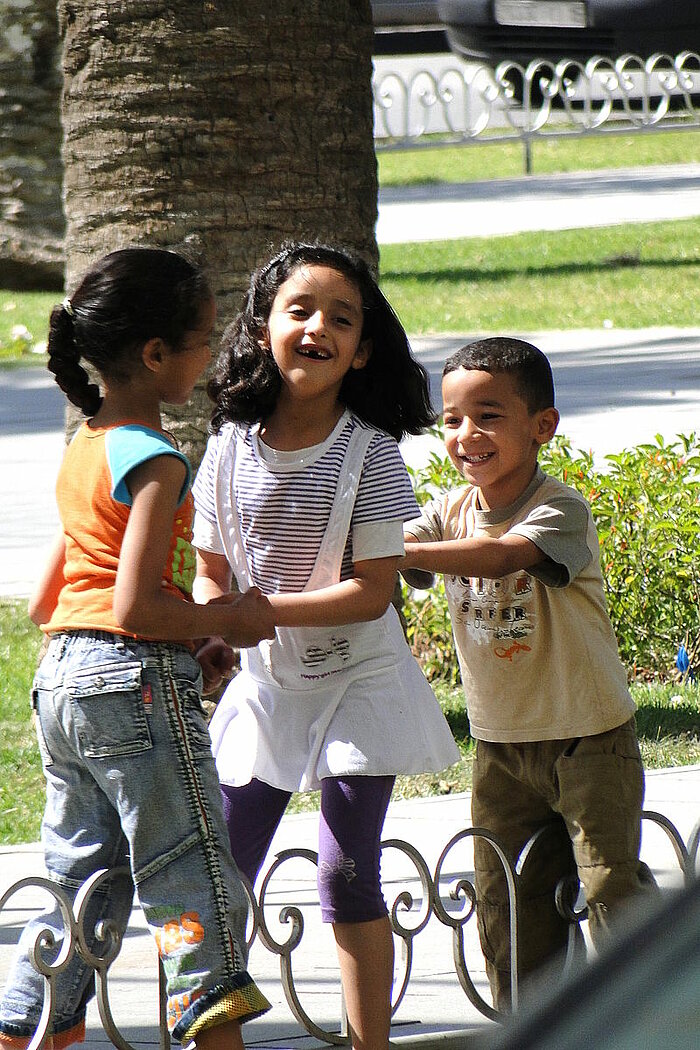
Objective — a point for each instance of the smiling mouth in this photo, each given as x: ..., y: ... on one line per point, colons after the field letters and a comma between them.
x: 313, y: 353
x: 475, y: 460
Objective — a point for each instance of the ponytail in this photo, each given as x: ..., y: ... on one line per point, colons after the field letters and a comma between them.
x: 123, y: 300
x: 64, y: 358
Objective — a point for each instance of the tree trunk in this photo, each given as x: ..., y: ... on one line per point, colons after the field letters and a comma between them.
x: 219, y: 125
x: 31, y: 216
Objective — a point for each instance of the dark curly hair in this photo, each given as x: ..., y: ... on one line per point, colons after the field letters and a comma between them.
x: 128, y: 297
x: 391, y: 392
x: 527, y: 365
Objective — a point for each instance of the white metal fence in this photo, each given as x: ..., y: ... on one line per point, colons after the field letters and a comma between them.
x: 421, y: 897
x: 446, y: 101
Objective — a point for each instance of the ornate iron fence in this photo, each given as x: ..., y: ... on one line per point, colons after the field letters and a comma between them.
x: 425, y: 896
x: 460, y: 104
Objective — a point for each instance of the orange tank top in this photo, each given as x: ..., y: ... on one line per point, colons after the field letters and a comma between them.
x: 94, y: 505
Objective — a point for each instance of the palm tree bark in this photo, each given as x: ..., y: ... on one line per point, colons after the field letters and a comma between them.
x: 31, y: 217
x: 222, y: 126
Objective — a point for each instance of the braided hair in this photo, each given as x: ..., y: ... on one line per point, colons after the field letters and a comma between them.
x: 125, y: 299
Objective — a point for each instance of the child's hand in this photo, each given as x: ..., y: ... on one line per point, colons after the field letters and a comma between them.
x: 419, y: 579
x: 216, y: 659
x: 252, y: 617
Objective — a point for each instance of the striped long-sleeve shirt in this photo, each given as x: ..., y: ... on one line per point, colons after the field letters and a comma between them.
x: 284, y: 501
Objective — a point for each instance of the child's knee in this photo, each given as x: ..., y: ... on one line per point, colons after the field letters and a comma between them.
x: 347, y: 893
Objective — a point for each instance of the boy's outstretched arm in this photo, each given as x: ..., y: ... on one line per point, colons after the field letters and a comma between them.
x: 478, y: 556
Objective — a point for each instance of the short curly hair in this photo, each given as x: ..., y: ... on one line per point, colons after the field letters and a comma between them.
x: 529, y: 367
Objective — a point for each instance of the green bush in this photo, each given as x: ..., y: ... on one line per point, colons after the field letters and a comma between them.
x: 646, y: 506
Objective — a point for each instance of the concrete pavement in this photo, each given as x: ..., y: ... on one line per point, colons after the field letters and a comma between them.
x: 566, y: 201
x: 615, y: 389
x: 31, y: 445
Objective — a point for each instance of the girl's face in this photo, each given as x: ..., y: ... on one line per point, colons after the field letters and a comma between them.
x: 181, y: 368
x: 314, y: 331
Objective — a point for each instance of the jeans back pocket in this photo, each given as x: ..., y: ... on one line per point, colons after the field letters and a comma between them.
x: 109, y: 710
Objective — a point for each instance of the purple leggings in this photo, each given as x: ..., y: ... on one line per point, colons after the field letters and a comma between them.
x: 350, y: 830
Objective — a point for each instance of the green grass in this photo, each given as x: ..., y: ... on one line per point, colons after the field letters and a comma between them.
x: 505, y: 160
x: 29, y: 310
x: 21, y: 780
x: 668, y: 723
x: 634, y: 276
x: 667, y: 719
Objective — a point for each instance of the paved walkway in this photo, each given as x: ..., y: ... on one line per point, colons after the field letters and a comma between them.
x: 615, y: 389
x: 541, y: 202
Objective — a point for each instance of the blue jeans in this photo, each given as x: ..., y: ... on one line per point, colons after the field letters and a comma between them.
x: 131, y: 780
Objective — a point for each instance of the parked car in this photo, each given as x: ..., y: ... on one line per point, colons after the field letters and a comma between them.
x: 520, y: 30
x: 407, y: 27
x: 641, y: 991
x: 394, y: 13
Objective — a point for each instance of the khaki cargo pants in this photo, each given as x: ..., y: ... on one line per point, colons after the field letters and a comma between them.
x: 588, y: 791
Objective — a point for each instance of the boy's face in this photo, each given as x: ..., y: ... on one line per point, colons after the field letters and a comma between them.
x: 490, y: 436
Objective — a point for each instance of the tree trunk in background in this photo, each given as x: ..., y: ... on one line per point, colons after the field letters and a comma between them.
x: 31, y: 216
x: 224, y: 126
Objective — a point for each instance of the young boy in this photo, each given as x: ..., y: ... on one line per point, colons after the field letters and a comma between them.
x: 546, y: 691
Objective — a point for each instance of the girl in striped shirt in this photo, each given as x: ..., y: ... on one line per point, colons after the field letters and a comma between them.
x: 303, y: 493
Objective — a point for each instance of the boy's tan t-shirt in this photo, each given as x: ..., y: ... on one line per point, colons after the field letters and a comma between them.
x: 536, y: 649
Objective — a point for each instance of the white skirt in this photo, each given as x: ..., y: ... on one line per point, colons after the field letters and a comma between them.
x: 381, y: 723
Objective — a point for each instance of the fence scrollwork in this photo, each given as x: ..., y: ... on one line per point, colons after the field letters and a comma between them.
x: 417, y: 898
x: 462, y: 889
x: 42, y: 951
x: 462, y: 104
